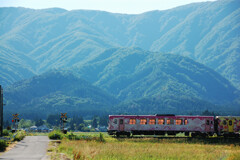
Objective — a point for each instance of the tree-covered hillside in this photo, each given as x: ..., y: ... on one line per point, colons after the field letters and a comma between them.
x: 132, y: 73
x: 55, y: 92
x: 207, y: 32
x: 125, y: 80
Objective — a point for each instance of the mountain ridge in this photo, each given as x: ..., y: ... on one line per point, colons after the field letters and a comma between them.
x: 207, y: 32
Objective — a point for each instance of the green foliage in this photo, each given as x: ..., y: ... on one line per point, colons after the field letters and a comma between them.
x: 5, y: 132
x: 77, y: 95
x: 19, y: 136
x: 56, y: 134
x: 25, y: 123
x: 39, y: 122
x: 53, y: 119
x: 101, y: 138
x: 71, y: 136
x: 94, y: 122
x: 103, y: 120
x: 76, y: 123
x: 3, y: 145
x: 208, y: 113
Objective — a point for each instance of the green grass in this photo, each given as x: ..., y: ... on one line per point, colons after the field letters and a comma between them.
x: 37, y: 134
x: 149, y: 148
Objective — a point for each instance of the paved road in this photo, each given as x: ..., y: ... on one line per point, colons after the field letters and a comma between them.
x: 31, y: 148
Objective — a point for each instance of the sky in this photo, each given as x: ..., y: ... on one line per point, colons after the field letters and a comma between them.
x: 115, y: 6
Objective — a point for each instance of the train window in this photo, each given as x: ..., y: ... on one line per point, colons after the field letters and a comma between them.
x: 115, y: 121
x: 143, y: 121
x: 152, y: 121
x: 224, y: 122
x: 170, y: 121
x: 230, y: 123
x: 178, y: 122
x: 161, y: 121
x: 207, y: 122
x: 185, y: 122
x: 121, y: 121
x: 132, y: 121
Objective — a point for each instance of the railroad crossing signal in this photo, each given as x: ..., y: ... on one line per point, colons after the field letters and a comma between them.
x: 63, y: 115
x: 15, y: 118
x: 63, y: 120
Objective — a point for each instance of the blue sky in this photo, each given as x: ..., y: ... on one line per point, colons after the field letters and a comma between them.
x: 116, y: 6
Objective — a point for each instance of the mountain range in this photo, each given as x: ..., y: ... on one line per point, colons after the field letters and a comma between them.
x: 125, y: 80
x: 189, y: 53
x: 38, y: 40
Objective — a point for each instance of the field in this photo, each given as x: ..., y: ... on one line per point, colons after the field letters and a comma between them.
x: 149, y: 148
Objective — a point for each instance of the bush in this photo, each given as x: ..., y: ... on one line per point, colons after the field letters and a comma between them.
x: 19, y: 136
x: 5, y: 132
x: 3, y: 145
x: 71, y: 136
x: 101, y: 138
x: 56, y: 134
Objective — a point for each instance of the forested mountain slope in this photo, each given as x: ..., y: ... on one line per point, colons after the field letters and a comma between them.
x: 132, y: 73
x: 55, y: 38
x: 54, y: 92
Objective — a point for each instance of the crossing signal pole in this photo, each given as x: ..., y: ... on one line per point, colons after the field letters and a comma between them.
x: 1, y: 110
x: 15, y: 120
x: 63, y: 119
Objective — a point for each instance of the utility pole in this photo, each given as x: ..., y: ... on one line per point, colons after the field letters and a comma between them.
x: 1, y: 109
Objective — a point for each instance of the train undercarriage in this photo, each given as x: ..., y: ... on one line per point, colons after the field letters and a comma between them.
x: 171, y: 133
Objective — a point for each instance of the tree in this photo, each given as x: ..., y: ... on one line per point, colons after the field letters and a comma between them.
x: 75, y: 121
x: 94, y: 122
x: 80, y: 127
x: 207, y: 113
x: 103, y: 121
x: 53, y: 119
x: 6, y: 124
x: 39, y: 122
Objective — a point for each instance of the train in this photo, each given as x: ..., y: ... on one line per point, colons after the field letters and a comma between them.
x: 170, y: 124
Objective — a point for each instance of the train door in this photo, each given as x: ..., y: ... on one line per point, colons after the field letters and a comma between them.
x: 207, y: 126
x: 230, y: 125
x: 121, y: 124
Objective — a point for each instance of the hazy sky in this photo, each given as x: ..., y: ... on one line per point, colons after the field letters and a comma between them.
x: 116, y: 6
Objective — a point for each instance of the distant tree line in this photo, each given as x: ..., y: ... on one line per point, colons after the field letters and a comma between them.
x: 53, y: 121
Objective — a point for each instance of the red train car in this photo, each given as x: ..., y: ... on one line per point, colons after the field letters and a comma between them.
x: 160, y: 125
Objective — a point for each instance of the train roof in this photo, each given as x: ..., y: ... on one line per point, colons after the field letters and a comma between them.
x: 161, y: 115
x: 227, y: 116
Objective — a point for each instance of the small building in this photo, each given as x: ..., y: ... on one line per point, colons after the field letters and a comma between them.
x: 33, y: 129
x: 43, y: 128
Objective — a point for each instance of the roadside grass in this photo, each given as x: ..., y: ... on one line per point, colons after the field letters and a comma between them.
x: 10, y: 139
x: 3, y: 145
x: 19, y: 136
x: 36, y: 134
x: 149, y: 148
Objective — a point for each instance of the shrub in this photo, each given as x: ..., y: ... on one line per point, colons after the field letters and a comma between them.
x: 5, y: 132
x: 72, y: 136
x: 101, y: 138
x: 3, y: 145
x: 56, y: 134
x: 19, y: 136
